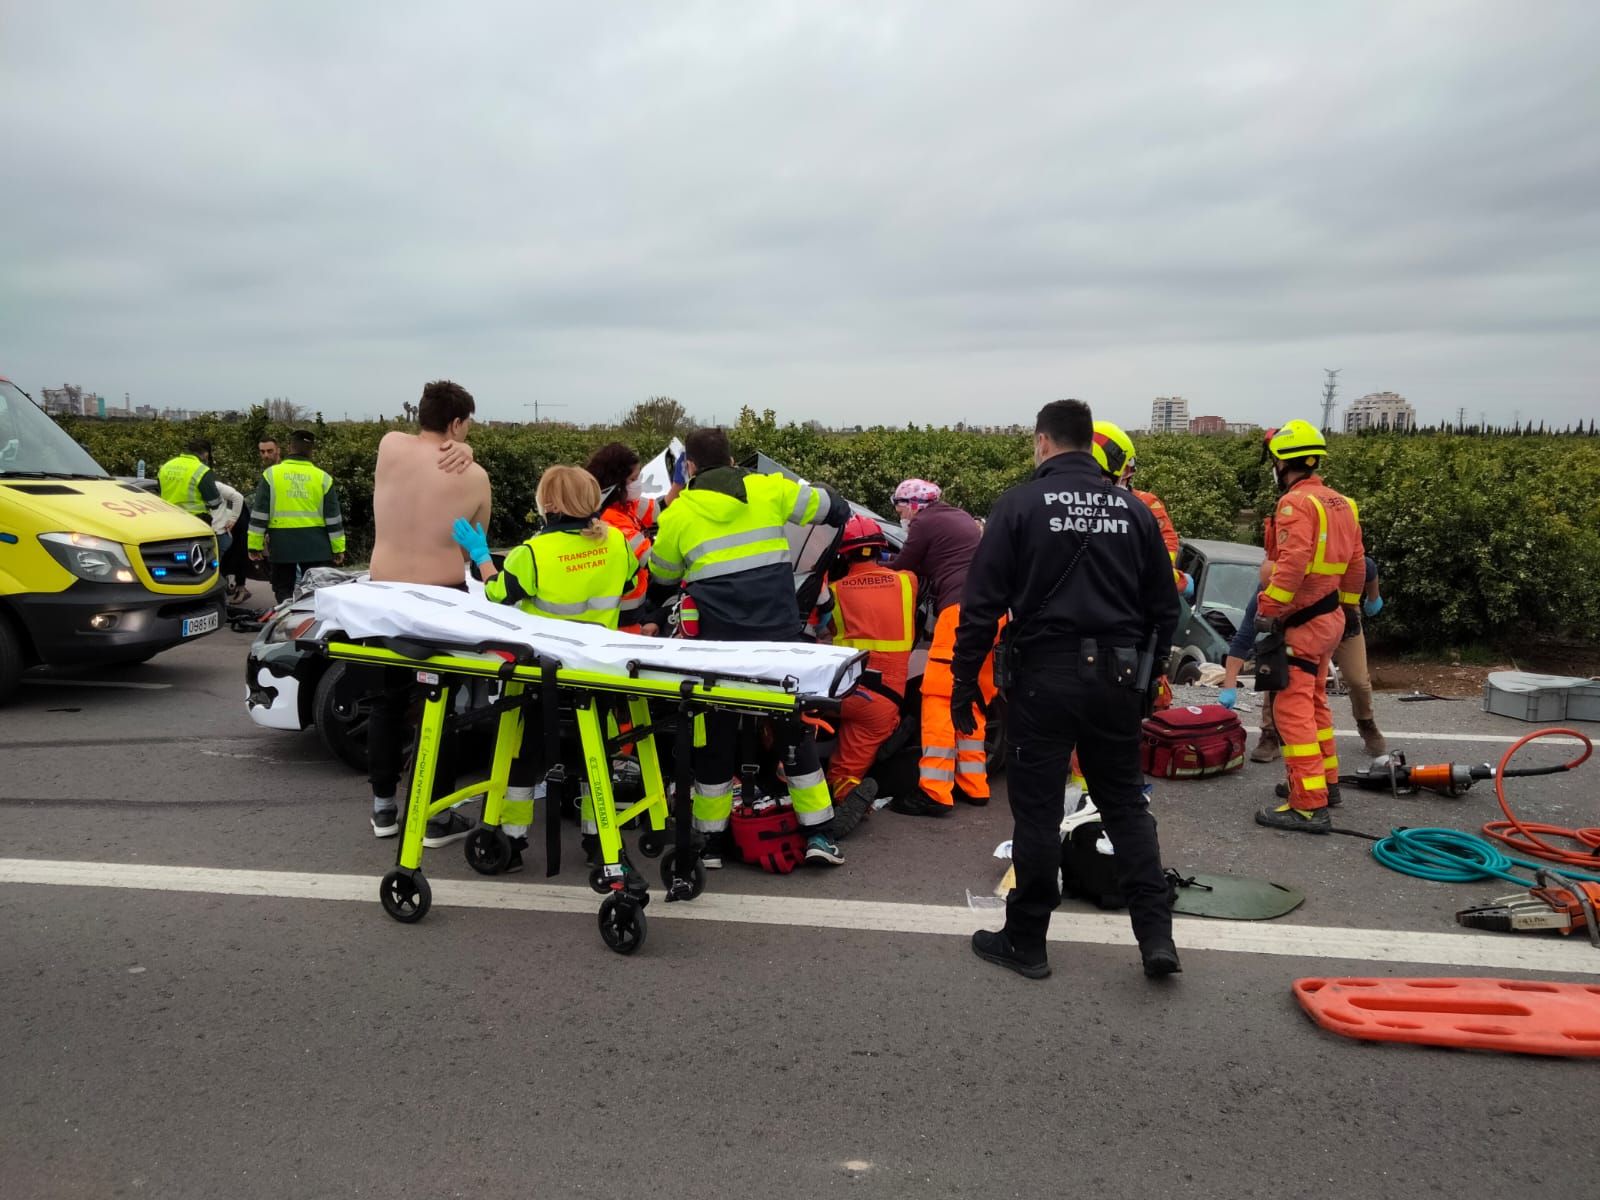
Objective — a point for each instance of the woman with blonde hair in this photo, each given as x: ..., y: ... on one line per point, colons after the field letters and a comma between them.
x: 576, y: 568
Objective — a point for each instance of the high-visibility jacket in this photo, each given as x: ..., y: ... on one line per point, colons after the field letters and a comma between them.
x: 645, y: 512
x: 184, y: 485
x: 724, y: 540
x: 563, y: 573
x: 875, y: 609
x: 1316, y: 548
x: 1169, y: 535
x: 622, y: 518
x: 298, y: 505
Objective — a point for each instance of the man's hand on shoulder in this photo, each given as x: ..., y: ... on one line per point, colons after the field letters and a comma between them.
x: 455, y: 457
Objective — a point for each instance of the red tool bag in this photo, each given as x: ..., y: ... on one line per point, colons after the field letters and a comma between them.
x: 1192, y: 741
x: 771, y: 839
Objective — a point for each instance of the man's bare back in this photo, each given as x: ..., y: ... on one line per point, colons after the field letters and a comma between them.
x: 414, y: 504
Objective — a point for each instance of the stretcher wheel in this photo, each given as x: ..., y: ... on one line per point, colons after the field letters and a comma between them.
x: 652, y: 842
x: 697, y: 875
x: 488, y: 850
x: 405, y: 895
x: 598, y: 881
x: 622, y: 924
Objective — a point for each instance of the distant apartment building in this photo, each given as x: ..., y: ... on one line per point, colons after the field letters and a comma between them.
x: 1169, y: 414
x: 1208, y: 425
x: 1380, y: 410
x: 1242, y: 427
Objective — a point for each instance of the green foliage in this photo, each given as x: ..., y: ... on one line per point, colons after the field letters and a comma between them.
x: 1490, y: 538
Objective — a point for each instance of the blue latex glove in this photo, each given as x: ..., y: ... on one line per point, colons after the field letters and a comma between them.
x: 1188, y: 587
x: 679, y: 475
x: 472, y: 539
x: 1372, y: 607
x: 1228, y: 697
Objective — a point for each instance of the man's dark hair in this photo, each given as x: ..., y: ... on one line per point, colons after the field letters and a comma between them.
x: 1067, y: 423
x: 301, y: 442
x: 442, y: 403
x: 611, y: 465
x: 266, y: 437
x: 198, y: 445
x: 707, y: 448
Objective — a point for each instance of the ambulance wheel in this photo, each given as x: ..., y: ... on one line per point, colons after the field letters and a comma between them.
x: 652, y: 842
x: 697, y: 877
x: 406, y: 896
x: 488, y: 850
x: 622, y: 924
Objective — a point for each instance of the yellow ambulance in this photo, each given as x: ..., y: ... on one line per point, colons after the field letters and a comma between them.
x: 93, y: 570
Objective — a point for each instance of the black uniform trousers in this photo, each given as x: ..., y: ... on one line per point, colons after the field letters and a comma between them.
x: 1053, y: 706
x: 284, y: 574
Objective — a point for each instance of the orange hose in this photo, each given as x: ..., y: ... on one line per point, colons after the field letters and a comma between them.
x: 1523, y: 837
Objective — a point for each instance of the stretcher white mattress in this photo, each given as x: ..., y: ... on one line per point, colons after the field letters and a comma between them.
x: 445, y: 615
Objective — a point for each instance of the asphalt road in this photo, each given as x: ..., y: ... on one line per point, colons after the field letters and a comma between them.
x: 163, y: 1042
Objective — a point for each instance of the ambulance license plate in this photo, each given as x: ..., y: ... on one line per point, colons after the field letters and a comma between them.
x: 198, y: 625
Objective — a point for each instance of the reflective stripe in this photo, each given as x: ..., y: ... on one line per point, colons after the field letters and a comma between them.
x: 1349, y: 597
x: 1319, y: 564
x: 639, y: 545
x: 1325, y: 735
x: 816, y: 817
x: 1281, y: 595
x: 798, y: 514
x: 1301, y: 750
x: 969, y: 768
x: 908, y: 623
x: 824, y: 507
x: 729, y: 540
x: 937, y: 773
x: 1313, y: 783
x: 969, y: 744
x: 711, y: 791
x: 1331, y: 764
x: 735, y: 566
x: 808, y: 780
x: 938, y: 752
x: 577, y: 607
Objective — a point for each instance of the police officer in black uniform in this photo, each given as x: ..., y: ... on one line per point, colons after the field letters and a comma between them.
x: 1083, y: 571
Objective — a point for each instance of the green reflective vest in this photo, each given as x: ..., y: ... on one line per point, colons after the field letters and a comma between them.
x: 180, y: 483
x: 299, y: 495
x: 568, y: 576
x: 707, y: 534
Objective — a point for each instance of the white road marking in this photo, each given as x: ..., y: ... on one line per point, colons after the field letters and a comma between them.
x: 1497, y: 739
x: 1527, y: 952
x: 100, y: 683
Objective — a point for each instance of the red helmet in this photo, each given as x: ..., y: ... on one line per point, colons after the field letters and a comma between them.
x: 862, y: 533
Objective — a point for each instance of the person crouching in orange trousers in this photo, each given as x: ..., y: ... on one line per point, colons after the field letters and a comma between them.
x: 940, y: 542
x: 1318, y: 567
x: 866, y: 606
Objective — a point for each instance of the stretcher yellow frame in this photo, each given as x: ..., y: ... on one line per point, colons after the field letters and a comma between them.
x: 405, y: 892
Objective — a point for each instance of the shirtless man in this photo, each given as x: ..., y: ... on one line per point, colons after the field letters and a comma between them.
x: 415, y: 504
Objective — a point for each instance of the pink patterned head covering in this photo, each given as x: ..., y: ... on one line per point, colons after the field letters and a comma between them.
x: 918, y: 493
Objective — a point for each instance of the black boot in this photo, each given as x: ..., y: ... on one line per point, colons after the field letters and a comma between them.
x: 1160, y: 958
x: 920, y: 804
x: 1288, y: 817
x: 994, y: 946
x: 852, y: 808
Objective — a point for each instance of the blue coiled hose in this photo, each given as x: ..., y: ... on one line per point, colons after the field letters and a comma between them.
x: 1453, y: 856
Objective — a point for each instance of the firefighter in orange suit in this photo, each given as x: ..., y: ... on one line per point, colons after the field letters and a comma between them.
x: 868, y: 607
x: 940, y: 542
x: 1318, y: 567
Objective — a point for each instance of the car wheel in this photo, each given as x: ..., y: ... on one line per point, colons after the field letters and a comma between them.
x: 10, y: 659
x: 994, y: 742
x: 1188, y: 671
x: 344, y: 736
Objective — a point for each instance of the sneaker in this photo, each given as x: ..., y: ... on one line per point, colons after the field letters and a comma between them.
x: 385, y: 822
x: 1296, y: 820
x: 920, y: 804
x: 1334, y: 797
x: 852, y: 810
x: 712, y: 853
x: 1160, y: 959
x: 823, y: 852
x: 1267, y: 747
x: 449, y: 826
x: 1372, y: 738
x: 994, y: 946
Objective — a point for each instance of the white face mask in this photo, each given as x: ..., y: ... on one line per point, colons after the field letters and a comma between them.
x: 635, y: 489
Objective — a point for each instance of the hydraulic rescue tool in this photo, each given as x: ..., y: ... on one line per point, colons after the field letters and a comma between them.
x: 1393, y: 774
x: 1557, y: 903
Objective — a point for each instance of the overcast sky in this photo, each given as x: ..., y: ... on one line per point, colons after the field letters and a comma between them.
x: 859, y: 212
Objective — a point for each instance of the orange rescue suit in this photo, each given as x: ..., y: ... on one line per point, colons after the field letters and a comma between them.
x: 874, y: 609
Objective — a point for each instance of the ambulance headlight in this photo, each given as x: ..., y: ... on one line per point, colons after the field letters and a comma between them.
x: 98, y: 560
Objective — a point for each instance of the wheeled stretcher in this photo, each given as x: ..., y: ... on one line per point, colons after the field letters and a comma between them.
x: 448, y: 637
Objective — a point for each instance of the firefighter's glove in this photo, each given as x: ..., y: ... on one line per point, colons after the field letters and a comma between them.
x: 838, y: 507
x: 472, y: 539
x: 965, y: 700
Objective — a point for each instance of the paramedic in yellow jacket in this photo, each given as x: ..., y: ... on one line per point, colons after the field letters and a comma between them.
x: 723, y: 539
x: 575, y: 569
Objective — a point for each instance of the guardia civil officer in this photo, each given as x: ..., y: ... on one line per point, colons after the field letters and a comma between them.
x: 1082, y: 568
